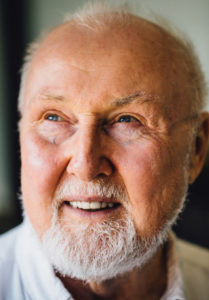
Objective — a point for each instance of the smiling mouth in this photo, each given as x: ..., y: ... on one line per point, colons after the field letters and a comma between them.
x: 92, y: 206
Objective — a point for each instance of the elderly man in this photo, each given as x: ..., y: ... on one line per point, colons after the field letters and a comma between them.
x: 112, y: 131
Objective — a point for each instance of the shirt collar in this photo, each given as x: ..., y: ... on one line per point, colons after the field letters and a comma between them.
x: 175, y: 287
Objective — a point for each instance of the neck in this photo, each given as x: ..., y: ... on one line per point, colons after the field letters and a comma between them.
x: 147, y: 283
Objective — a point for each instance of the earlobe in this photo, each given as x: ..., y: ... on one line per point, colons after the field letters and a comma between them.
x: 200, y: 147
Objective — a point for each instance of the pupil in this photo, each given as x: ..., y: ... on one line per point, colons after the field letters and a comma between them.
x: 125, y: 119
x: 52, y: 118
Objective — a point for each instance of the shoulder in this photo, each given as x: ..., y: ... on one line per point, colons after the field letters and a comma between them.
x: 194, y: 263
x: 193, y: 254
x: 7, y: 243
x: 10, y: 278
x: 7, y: 255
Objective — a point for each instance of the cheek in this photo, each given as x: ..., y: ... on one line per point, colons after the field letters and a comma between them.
x: 153, y: 183
x: 40, y: 173
x: 38, y: 162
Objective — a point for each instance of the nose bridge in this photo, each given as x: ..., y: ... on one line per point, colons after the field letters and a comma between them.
x: 88, y: 143
x: 87, y: 160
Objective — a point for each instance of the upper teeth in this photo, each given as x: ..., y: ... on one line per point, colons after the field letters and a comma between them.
x: 90, y: 205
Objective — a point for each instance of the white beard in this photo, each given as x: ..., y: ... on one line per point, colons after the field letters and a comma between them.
x: 103, y: 250
x: 100, y: 251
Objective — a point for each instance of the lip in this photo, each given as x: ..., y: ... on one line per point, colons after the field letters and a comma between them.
x: 89, y: 199
x: 97, y: 214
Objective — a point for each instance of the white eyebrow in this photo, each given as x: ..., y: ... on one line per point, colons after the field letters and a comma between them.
x: 46, y: 96
x: 140, y: 97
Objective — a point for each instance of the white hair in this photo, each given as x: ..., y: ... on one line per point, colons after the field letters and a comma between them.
x: 99, y: 15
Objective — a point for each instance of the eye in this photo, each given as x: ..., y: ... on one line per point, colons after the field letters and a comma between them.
x: 125, y: 128
x: 55, y: 127
x: 127, y: 119
x: 53, y: 118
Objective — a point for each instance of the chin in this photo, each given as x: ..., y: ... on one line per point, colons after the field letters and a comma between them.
x: 101, y: 251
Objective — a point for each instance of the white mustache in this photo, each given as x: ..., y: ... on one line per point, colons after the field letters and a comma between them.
x: 99, y: 188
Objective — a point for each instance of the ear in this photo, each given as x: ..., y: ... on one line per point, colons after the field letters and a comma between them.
x: 200, y: 147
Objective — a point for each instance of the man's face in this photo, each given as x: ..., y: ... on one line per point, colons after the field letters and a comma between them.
x: 105, y: 108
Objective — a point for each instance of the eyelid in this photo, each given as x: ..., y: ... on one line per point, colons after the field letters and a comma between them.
x: 60, y: 119
x: 129, y: 116
x: 58, y: 114
x: 137, y: 117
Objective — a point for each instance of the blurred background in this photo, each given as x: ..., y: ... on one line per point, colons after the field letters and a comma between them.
x: 20, y: 23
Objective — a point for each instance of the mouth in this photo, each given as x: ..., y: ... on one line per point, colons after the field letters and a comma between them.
x: 92, y: 206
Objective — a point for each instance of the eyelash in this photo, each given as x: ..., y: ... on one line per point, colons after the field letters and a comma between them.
x: 128, y: 119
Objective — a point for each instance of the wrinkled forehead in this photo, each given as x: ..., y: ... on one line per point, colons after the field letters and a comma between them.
x: 135, y: 39
x: 140, y: 49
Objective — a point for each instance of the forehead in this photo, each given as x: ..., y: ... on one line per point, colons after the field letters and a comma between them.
x: 137, y: 57
x: 134, y: 42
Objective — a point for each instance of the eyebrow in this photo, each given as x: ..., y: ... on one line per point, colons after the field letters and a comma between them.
x: 139, y: 97
x: 46, y: 96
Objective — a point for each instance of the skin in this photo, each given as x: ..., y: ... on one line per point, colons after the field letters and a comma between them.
x: 86, y: 79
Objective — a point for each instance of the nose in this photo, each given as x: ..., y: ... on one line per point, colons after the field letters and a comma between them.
x: 87, y: 160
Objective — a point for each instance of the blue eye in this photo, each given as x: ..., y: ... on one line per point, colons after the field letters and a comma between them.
x: 54, y: 118
x: 127, y: 119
